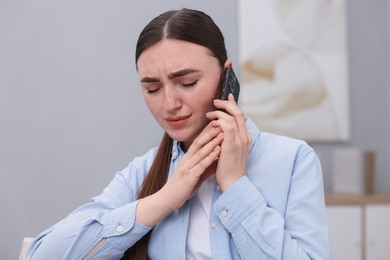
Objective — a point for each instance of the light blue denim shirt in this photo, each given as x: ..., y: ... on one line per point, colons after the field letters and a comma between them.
x: 276, y: 211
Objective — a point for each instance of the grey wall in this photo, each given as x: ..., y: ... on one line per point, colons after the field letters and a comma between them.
x: 71, y: 109
x: 72, y: 114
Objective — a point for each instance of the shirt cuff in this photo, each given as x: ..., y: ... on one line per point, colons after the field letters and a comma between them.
x: 119, y: 222
x: 238, y: 202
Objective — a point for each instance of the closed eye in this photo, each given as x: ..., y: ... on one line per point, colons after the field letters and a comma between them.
x: 151, y: 91
x: 190, y: 84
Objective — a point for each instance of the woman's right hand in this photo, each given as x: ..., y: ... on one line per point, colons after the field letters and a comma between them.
x: 192, y: 168
x: 185, y: 180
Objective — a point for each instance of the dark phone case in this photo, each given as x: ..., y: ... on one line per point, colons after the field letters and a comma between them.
x: 230, y: 84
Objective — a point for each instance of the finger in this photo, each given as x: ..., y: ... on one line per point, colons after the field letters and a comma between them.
x: 200, y: 167
x: 229, y: 105
x: 216, y: 114
x: 207, y: 134
x: 229, y: 128
x: 234, y: 128
x: 203, y: 152
x: 224, y: 121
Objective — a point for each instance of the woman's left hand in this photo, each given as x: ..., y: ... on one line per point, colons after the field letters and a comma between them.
x: 235, y: 144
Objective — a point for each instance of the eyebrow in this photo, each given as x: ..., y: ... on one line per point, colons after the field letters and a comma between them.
x: 173, y: 75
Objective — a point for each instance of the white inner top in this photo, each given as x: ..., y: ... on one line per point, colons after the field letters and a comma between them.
x: 198, y: 236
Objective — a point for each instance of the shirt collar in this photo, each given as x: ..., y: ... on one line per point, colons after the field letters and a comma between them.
x: 253, y: 131
x: 176, y: 149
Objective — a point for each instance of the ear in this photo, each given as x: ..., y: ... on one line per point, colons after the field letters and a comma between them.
x: 228, y: 63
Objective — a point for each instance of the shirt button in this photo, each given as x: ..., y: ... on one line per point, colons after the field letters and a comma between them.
x: 213, y: 225
x: 119, y: 229
x: 224, y: 213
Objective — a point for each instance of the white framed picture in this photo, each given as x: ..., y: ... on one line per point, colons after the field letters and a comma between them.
x: 293, y: 67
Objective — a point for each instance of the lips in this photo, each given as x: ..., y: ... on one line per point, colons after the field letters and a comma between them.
x: 178, y: 121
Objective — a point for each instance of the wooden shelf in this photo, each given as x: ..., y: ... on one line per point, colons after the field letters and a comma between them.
x: 360, y: 199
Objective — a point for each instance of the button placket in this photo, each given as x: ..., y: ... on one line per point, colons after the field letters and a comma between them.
x: 119, y: 229
x: 213, y: 225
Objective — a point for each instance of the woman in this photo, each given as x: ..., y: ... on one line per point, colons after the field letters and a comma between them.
x: 216, y: 188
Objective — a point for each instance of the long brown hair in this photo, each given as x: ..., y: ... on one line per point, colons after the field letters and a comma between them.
x: 186, y: 25
x: 156, y: 178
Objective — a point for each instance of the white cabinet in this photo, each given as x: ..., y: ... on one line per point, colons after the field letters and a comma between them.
x: 377, y: 231
x: 345, y: 233
x: 359, y: 227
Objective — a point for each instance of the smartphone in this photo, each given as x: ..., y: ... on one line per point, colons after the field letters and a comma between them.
x: 230, y: 84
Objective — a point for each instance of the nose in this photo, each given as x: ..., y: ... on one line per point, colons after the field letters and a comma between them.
x: 172, y: 99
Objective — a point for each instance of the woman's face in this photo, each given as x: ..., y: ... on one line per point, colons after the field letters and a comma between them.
x: 179, y: 80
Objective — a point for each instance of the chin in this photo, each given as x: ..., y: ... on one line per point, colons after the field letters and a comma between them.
x: 180, y: 137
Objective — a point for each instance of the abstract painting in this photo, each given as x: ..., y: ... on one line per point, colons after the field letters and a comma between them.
x: 293, y: 67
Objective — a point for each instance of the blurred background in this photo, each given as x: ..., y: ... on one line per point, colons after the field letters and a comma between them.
x: 72, y: 113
